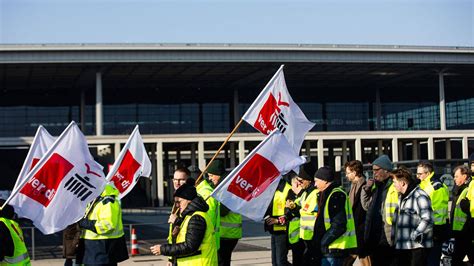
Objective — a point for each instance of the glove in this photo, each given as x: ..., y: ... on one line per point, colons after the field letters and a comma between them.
x: 87, y: 224
x: 448, y: 247
x: 465, y: 205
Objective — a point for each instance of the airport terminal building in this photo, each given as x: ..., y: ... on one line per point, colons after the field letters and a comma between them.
x: 409, y: 102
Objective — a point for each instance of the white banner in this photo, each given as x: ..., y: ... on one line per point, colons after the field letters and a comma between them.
x: 57, y: 190
x: 250, y: 187
x: 131, y: 164
x: 274, y: 108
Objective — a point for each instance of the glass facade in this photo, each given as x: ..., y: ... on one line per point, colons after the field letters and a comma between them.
x: 217, y: 117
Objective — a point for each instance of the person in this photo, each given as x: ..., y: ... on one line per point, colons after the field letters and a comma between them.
x: 354, y: 174
x: 180, y: 176
x: 293, y: 220
x: 230, y: 233
x: 412, y: 232
x: 12, y: 243
x: 195, y: 241
x: 379, y: 198
x: 276, y: 224
x: 102, y: 240
x: 461, y: 229
x: 439, y: 196
x: 71, y: 236
x: 204, y: 189
x: 335, y: 228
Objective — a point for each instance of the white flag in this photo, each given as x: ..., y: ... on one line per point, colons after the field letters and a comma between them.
x: 59, y: 187
x: 131, y: 163
x: 274, y: 108
x: 249, y: 188
x: 41, y: 143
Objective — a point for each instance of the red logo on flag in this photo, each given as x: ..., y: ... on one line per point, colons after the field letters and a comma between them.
x: 270, y: 115
x: 256, y: 175
x: 43, y: 185
x: 34, y: 162
x: 123, y: 178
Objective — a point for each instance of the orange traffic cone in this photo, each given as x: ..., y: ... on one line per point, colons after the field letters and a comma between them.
x: 134, y: 243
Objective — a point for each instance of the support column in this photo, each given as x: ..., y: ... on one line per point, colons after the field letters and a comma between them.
x: 431, y: 152
x: 201, y: 159
x: 236, y: 106
x: 448, y: 149
x: 378, y: 109
x: 116, y: 150
x: 442, y: 102
x: 344, y: 152
x: 160, y: 173
x: 193, y: 154
x: 83, y: 110
x: 380, y: 147
x: 358, y: 149
x: 308, y: 149
x: 232, y: 154
x: 395, y: 150
x: 414, y: 151
x: 320, y: 153
x: 401, y: 153
x: 465, y: 148
x: 98, y: 105
x: 241, y: 151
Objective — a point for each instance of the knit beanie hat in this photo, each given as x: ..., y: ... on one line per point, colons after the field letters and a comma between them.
x: 7, y: 212
x: 325, y: 173
x: 307, y: 171
x: 186, y: 191
x: 384, y: 163
x: 216, y: 168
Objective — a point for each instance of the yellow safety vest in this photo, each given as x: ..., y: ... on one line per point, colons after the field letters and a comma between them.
x: 207, y: 252
x: 294, y: 230
x: 231, y: 226
x: 348, y: 239
x: 470, y: 197
x: 439, y: 199
x: 20, y: 253
x: 205, y: 190
x: 391, y: 203
x: 108, y: 217
x: 279, y: 201
x: 307, y: 214
x: 459, y: 218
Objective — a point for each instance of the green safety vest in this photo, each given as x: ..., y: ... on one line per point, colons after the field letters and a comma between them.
x: 348, y: 239
x: 205, y: 190
x: 294, y: 230
x: 391, y: 203
x: 439, y: 199
x: 459, y: 218
x: 207, y: 252
x: 20, y: 253
x: 307, y: 214
x: 231, y: 226
x: 279, y: 201
x: 108, y: 217
x: 470, y: 197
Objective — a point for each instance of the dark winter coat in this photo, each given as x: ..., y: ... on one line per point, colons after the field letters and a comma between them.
x: 71, y: 237
x: 194, y: 233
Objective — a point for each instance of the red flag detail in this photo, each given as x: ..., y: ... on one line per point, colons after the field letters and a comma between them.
x: 269, y: 112
x: 43, y: 186
x: 33, y: 163
x: 257, y: 174
x: 123, y: 178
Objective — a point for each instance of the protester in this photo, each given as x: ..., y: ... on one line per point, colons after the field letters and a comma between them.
x: 12, y: 243
x: 335, y: 227
x: 71, y: 236
x: 460, y: 217
x: 439, y: 196
x: 195, y: 243
x: 102, y: 240
x: 276, y: 224
x: 412, y: 232
x: 379, y: 198
x: 354, y: 173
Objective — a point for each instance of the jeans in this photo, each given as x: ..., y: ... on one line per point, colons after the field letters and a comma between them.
x: 279, y: 249
x: 225, y: 252
x: 332, y: 261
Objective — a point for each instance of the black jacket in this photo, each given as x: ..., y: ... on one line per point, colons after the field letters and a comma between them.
x: 194, y: 232
x: 6, y: 242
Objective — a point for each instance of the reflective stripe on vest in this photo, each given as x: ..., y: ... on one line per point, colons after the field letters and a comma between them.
x: 231, y: 226
x: 20, y: 253
x: 294, y: 230
x: 348, y: 239
x: 391, y: 203
x: 460, y: 217
x: 279, y: 201
x: 207, y: 252
x: 307, y: 214
x: 439, y: 199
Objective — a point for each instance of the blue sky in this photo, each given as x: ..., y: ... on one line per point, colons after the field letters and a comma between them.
x: 397, y: 22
